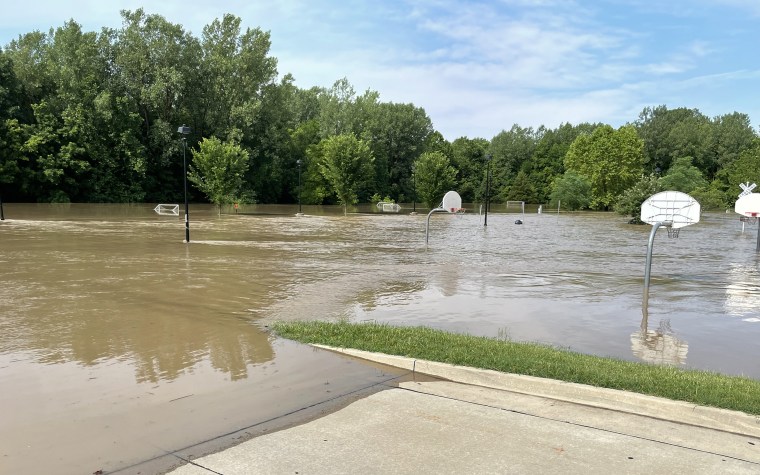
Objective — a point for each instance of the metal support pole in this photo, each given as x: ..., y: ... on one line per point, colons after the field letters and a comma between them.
x: 757, y: 247
x: 2, y: 215
x: 427, y: 224
x: 648, y: 268
x: 187, y: 211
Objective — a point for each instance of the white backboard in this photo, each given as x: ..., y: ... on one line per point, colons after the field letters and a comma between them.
x: 452, y: 202
x: 673, y: 207
x: 748, y: 205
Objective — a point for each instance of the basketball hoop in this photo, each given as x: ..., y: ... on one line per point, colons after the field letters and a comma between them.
x: 673, y: 232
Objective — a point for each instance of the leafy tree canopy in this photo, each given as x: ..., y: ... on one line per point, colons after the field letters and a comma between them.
x: 346, y: 163
x: 218, y: 169
x: 571, y: 191
x: 435, y: 176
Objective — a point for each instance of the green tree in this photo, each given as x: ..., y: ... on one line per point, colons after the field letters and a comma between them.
x: 571, y: 191
x: 398, y: 134
x: 732, y: 134
x: 510, y: 149
x: 744, y: 169
x: 547, y: 161
x: 347, y: 165
x: 521, y: 189
x: 629, y: 203
x: 468, y: 158
x: 683, y: 176
x: 712, y: 196
x: 435, y: 176
x: 11, y: 160
x: 669, y: 134
x: 218, y: 170
x: 156, y: 62
x: 611, y: 161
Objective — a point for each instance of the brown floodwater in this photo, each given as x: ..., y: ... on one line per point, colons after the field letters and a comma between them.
x: 119, y: 343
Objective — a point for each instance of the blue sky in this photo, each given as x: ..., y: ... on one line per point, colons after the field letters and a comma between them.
x: 478, y: 67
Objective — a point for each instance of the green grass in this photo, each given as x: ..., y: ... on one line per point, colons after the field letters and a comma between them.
x: 699, y: 387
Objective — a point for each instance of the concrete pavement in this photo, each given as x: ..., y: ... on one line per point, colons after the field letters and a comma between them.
x: 475, y: 421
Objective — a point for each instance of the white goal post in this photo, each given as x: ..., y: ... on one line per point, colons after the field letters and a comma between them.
x: 516, y: 204
x: 167, y: 209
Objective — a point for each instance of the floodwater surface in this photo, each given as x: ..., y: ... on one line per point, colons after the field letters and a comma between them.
x: 120, y: 343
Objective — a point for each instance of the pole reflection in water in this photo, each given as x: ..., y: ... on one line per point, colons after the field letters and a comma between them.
x: 659, y: 346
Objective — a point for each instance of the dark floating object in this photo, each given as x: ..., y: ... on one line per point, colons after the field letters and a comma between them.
x: 519, y: 221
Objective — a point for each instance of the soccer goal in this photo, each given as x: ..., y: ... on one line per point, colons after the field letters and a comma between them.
x: 167, y: 210
x: 512, y: 206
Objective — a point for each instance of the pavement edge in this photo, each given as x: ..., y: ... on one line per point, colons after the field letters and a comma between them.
x: 611, y: 399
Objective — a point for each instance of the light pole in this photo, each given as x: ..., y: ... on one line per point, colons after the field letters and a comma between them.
x: 185, y: 131
x: 298, y: 162
x: 488, y: 187
x: 414, y: 190
x: 2, y: 215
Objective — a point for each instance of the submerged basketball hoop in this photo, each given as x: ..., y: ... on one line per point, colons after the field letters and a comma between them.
x: 452, y: 203
x: 672, y: 209
x: 748, y: 206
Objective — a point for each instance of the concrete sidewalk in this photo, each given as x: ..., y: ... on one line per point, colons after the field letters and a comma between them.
x: 474, y: 421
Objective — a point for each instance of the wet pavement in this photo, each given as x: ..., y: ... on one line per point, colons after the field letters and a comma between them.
x: 486, y: 422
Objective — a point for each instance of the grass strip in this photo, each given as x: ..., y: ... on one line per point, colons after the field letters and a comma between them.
x: 698, y: 387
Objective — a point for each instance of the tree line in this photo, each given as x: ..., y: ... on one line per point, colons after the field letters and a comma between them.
x: 93, y: 117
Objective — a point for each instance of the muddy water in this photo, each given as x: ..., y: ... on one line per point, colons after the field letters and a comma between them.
x: 118, y: 342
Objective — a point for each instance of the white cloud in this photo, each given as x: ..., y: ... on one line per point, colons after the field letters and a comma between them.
x: 477, y: 67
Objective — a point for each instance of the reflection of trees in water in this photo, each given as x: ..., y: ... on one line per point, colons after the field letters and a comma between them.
x: 161, y: 346
x: 659, y: 346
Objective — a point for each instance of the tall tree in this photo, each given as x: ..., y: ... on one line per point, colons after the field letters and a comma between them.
x: 547, y: 161
x: 611, y: 161
x: 521, y: 189
x: 629, y: 202
x: 11, y: 104
x: 683, y: 176
x: 347, y: 164
x: 744, y: 169
x: 510, y: 149
x: 218, y: 169
x: 670, y: 134
x: 468, y: 158
x: 571, y: 191
x: 398, y: 134
x: 435, y: 176
x: 731, y: 135
x: 155, y: 60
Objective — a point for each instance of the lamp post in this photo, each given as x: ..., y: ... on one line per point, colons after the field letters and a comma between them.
x: 185, y: 131
x: 298, y: 162
x: 414, y: 190
x: 488, y: 187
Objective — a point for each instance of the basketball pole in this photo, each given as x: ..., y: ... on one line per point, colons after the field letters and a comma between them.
x: 757, y: 246
x: 648, y: 268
